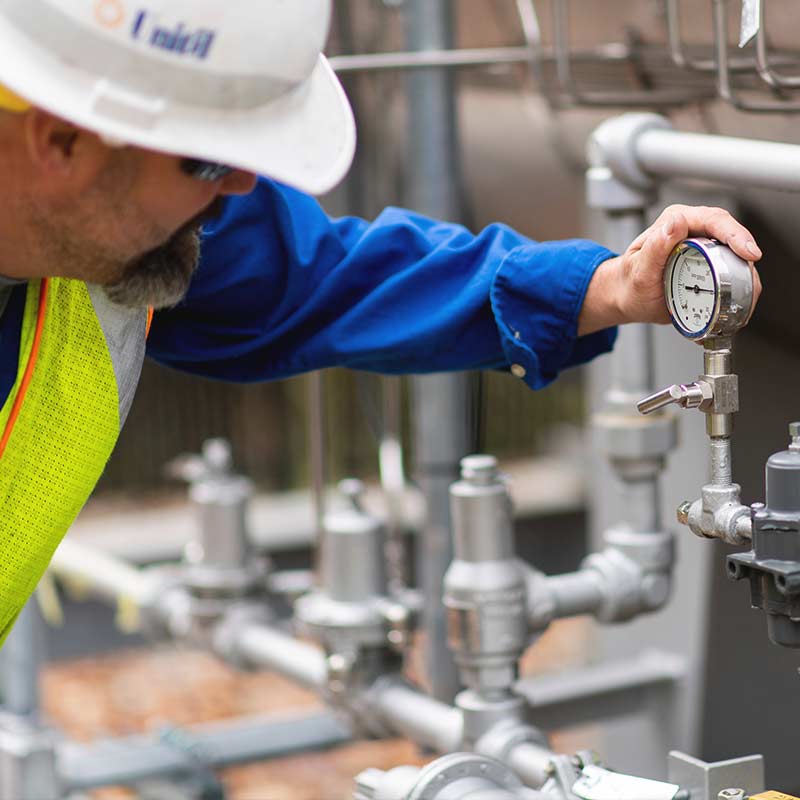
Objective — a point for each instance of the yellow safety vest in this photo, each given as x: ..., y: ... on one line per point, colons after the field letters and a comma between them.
x: 79, y: 394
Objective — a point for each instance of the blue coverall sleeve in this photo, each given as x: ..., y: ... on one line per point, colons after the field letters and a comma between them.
x: 282, y: 288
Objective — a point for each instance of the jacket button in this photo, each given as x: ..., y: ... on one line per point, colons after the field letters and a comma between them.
x: 518, y: 371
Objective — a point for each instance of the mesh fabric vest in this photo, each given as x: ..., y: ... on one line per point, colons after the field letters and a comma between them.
x: 89, y: 363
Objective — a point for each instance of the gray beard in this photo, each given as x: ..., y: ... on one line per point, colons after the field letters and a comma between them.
x: 161, y: 277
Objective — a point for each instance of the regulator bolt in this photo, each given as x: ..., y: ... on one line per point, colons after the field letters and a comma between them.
x: 683, y: 512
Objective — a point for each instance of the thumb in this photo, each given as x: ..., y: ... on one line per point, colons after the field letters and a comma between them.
x: 665, y: 237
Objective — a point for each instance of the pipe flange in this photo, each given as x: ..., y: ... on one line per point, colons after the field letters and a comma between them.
x: 436, y: 777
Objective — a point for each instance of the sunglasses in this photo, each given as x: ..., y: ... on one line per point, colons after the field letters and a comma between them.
x: 205, y: 170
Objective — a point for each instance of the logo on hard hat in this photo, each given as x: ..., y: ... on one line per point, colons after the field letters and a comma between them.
x: 109, y: 13
x: 175, y: 38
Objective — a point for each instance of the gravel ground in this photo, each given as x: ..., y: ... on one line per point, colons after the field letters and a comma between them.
x: 144, y: 690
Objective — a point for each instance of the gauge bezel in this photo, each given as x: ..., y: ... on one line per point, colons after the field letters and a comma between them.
x: 670, y: 291
x: 733, y: 285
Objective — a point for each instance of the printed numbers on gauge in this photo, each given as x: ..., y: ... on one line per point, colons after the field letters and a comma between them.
x: 693, y: 292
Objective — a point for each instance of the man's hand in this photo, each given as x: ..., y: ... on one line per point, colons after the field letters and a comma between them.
x: 630, y: 288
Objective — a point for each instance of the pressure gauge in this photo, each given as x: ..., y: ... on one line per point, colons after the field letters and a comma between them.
x: 709, y: 289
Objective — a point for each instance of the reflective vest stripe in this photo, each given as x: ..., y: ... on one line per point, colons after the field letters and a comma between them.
x: 32, y: 359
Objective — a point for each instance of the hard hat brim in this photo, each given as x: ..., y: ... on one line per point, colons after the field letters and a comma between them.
x: 305, y: 138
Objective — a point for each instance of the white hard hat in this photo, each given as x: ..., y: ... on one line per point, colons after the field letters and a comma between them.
x: 238, y: 82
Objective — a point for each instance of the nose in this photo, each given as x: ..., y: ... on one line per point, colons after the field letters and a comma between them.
x: 238, y: 182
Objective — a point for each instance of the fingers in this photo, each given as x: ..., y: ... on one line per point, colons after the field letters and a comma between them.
x: 715, y: 223
x: 666, y: 233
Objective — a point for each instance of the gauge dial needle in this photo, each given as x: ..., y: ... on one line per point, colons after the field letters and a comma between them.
x: 697, y: 290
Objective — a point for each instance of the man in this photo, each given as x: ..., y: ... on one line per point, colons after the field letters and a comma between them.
x: 108, y: 117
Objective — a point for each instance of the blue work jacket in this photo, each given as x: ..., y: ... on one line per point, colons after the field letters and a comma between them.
x: 283, y: 288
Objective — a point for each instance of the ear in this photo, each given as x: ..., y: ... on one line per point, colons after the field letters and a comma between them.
x: 57, y: 147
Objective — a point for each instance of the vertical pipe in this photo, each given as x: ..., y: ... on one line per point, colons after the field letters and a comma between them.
x: 22, y: 658
x: 393, y: 481
x: 632, y: 378
x: 440, y: 408
x: 316, y: 452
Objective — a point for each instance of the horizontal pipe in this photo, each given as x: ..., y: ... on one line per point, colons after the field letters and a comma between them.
x: 106, y: 576
x: 83, y: 767
x: 467, y: 57
x: 531, y: 763
x: 416, y: 716
x: 275, y: 651
x: 726, y: 159
x: 575, y: 593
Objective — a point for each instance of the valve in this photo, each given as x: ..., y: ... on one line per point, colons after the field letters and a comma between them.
x: 363, y: 630
x: 710, y: 292
x: 485, y: 589
x: 221, y: 565
x: 692, y: 395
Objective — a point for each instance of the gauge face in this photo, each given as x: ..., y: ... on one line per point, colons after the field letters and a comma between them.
x: 691, y: 292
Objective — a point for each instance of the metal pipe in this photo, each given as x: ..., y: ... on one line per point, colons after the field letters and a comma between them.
x: 273, y: 650
x: 531, y: 763
x: 316, y: 449
x: 21, y: 663
x: 416, y: 716
x: 632, y: 367
x: 430, y: 58
x: 575, y: 593
x: 725, y: 86
x: 393, y: 481
x: 106, y: 576
x: 440, y: 401
x: 773, y: 79
x: 678, y: 52
x: 724, y: 159
x: 83, y: 767
x: 632, y: 378
x: 625, y: 98
x: 721, y: 465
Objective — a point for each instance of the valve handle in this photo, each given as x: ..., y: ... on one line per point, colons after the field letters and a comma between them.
x: 686, y: 395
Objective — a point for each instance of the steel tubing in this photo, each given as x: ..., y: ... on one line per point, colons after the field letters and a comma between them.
x: 725, y: 159
x: 83, y: 767
x: 416, y: 716
x: 21, y: 662
x: 721, y: 462
x: 465, y: 57
x: 441, y: 432
x: 109, y: 577
x: 631, y: 379
x: 273, y: 650
x: 575, y: 593
x: 531, y: 763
